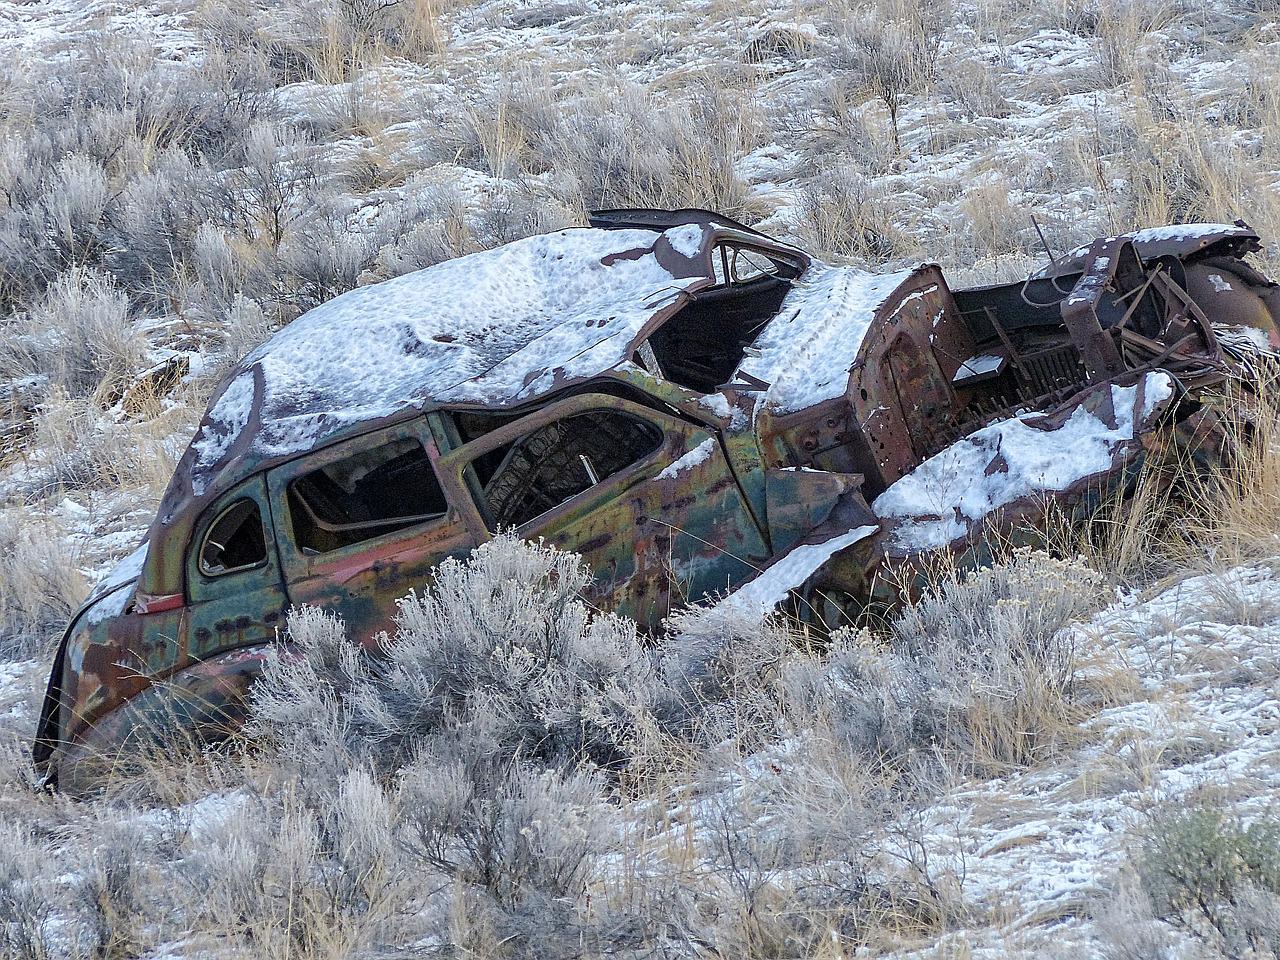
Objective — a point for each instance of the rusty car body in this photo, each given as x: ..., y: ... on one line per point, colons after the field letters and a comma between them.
x: 696, y: 408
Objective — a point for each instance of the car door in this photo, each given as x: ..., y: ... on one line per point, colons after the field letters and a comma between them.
x: 361, y: 523
x: 233, y: 574
x: 647, y: 499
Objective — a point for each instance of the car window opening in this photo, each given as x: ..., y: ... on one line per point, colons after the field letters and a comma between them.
x: 524, y: 479
x: 371, y: 493
x: 702, y: 345
x: 235, y: 541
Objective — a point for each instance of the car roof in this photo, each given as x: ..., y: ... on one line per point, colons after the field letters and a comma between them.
x: 491, y: 330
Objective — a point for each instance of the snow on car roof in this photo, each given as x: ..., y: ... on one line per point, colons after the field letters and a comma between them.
x: 491, y: 329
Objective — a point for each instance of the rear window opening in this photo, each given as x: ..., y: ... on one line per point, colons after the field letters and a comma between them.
x: 235, y: 541
x: 371, y: 493
x: 702, y: 345
x: 530, y: 476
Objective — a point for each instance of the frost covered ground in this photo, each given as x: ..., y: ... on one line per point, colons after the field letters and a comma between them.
x: 180, y: 179
x: 1046, y: 850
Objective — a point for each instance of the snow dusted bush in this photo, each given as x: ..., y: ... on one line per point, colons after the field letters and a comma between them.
x: 154, y: 221
x: 279, y: 876
x: 78, y: 339
x: 247, y: 326
x: 500, y: 647
x: 115, y: 164
x: 324, y: 257
x: 470, y: 744
x: 39, y: 587
x: 25, y: 904
x: 530, y: 838
x: 721, y: 673
x: 981, y: 672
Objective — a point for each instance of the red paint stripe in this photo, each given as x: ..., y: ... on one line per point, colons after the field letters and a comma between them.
x: 158, y: 604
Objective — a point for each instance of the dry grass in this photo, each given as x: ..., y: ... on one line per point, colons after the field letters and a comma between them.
x: 745, y: 793
x: 40, y: 586
x: 1237, y: 520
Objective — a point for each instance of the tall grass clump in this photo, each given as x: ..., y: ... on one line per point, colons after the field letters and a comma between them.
x: 1233, y: 513
x: 40, y: 586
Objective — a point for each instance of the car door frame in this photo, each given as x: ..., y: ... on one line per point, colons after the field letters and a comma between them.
x: 675, y: 431
x: 378, y: 558
x: 209, y: 633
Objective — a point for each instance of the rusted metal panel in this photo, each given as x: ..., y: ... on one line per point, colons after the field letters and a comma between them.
x: 1080, y: 310
x: 1186, y: 242
x: 206, y: 700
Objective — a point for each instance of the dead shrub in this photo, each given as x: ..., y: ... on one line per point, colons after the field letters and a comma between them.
x: 78, y: 445
x: 78, y: 339
x: 891, y: 58
x: 844, y: 217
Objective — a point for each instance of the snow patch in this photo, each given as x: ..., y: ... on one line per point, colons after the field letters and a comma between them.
x: 1184, y: 231
x: 719, y: 404
x: 788, y: 572
x: 807, y: 350
x: 126, y: 571
x: 225, y: 421
x: 687, y: 240
x: 1243, y: 337
x: 109, y: 605
x: 690, y: 460
x: 978, y: 366
x: 1008, y: 460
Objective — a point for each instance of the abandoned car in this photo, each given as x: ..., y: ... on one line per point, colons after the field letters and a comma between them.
x: 697, y: 409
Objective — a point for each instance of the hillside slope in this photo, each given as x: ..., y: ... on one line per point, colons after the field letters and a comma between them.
x: 1062, y: 767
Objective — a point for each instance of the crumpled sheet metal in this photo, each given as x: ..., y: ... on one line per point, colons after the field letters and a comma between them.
x: 930, y: 426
